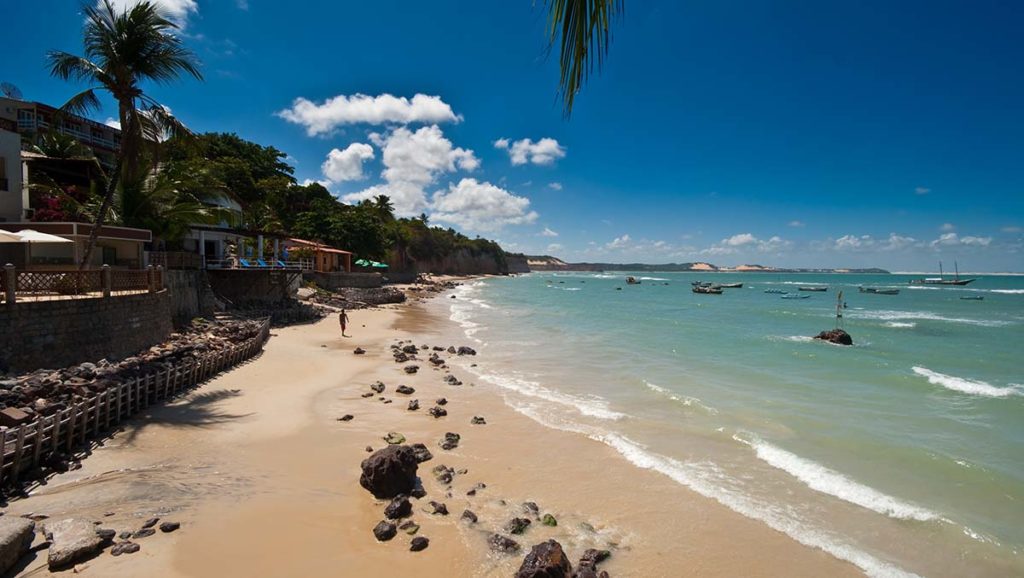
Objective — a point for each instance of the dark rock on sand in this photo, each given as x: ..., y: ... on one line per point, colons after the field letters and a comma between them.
x: 837, y: 336
x: 546, y: 560
x: 517, y: 526
x: 410, y: 369
x: 124, y: 548
x: 435, y: 360
x: 477, y: 420
x: 15, y: 540
x: 168, y: 527
x: 410, y: 349
x: 450, y: 441
x: 441, y: 401
x: 463, y: 350
x: 438, y: 411
x: 504, y: 544
x: 390, y: 472
x: 452, y: 380
x: 531, y: 509
x: 144, y: 533
x: 377, y: 386
x: 394, y: 438
x: 410, y: 527
x: 418, y: 543
x: 400, y: 507
x: 367, y: 394
x: 422, y: 453
x: 401, y: 357
x: 451, y: 349
x: 414, y: 404
x: 443, y: 473
x: 439, y: 508
x: 469, y: 516
x: 346, y: 417
x: 549, y: 520
x: 384, y: 531
x: 594, y: 557
x: 150, y: 523
x: 405, y: 390
x: 106, y: 534
x: 359, y: 351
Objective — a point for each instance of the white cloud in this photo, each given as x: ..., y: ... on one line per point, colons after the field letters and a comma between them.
x: 922, y: 190
x: 324, y: 183
x: 747, y: 242
x: 619, y: 242
x: 478, y: 206
x: 796, y: 223
x: 543, y: 152
x: 739, y: 240
x: 947, y: 227
x: 362, y: 109
x: 347, y: 165
x: 555, y: 186
x: 113, y: 122
x: 548, y: 233
x: 952, y: 239
x: 242, y: 4
x: 177, y: 11
x: 555, y: 248
x: 412, y: 161
x: 1011, y: 229
x: 863, y: 243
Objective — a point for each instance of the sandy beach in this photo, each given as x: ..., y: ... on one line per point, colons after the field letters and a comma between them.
x: 263, y: 477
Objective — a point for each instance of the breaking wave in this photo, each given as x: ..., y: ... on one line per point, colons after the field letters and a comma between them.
x: 967, y: 385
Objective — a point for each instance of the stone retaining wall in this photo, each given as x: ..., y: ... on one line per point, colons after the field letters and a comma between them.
x: 339, y: 280
x: 42, y: 334
x: 254, y: 288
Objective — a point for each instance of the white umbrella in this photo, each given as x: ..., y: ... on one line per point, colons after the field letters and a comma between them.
x: 9, y: 237
x: 32, y: 236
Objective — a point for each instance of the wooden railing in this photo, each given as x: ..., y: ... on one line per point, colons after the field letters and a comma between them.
x: 77, y: 284
x: 27, y: 446
x: 175, y: 259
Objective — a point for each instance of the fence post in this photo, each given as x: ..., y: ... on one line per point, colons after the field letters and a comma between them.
x: 11, y: 290
x: 159, y: 277
x: 150, y: 280
x: 106, y: 280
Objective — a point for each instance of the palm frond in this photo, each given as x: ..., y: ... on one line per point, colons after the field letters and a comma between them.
x: 582, y: 31
x: 68, y: 66
x: 82, y: 103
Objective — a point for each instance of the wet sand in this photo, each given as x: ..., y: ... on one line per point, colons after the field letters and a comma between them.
x: 264, y: 479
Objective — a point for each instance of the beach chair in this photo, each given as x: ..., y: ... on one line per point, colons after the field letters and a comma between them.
x: 262, y: 263
x: 245, y: 263
x: 281, y: 264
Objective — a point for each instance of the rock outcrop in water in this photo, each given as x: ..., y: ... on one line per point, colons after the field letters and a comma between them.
x: 837, y: 336
x: 546, y: 560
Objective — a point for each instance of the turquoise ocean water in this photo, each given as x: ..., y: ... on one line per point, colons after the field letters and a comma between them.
x: 903, y: 454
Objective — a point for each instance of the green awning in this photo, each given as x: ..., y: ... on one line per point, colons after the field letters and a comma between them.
x: 368, y: 263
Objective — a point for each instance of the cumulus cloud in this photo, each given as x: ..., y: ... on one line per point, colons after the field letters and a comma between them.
x: 113, y: 122
x: 555, y: 186
x: 947, y: 227
x: 1011, y: 229
x: 343, y: 110
x: 746, y: 243
x: 477, y: 206
x: 412, y: 161
x: 922, y: 190
x: 555, y: 248
x: 863, y: 243
x: 619, y: 242
x: 548, y: 233
x: 177, y: 11
x: 796, y: 223
x: 543, y: 152
x: 952, y: 239
x: 347, y: 165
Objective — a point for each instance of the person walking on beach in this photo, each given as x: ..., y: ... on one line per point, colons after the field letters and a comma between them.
x: 343, y: 319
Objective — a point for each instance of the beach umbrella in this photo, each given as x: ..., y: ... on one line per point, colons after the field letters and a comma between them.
x: 362, y: 262
x: 33, y: 237
x: 9, y: 237
x: 377, y: 265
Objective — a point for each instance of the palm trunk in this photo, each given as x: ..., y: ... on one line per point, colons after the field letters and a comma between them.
x: 108, y: 199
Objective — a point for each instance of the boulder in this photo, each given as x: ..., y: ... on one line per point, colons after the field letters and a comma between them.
x: 477, y: 420
x: 398, y: 508
x: 359, y: 351
x: 439, y: 508
x: 549, y: 520
x: 469, y: 516
x: 546, y: 560
x: 71, y: 540
x: 13, y: 417
x: 15, y: 540
x: 168, y: 527
x: 517, y: 526
x: 394, y: 438
x: 437, y: 411
x: 384, y: 531
x: 410, y: 349
x: 124, y: 548
x: 405, y: 390
x: 389, y: 472
x: 414, y: 404
x: 422, y: 453
x: 443, y: 474
x: 410, y: 527
x: 418, y: 543
x: 411, y: 369
x: 463, y: 350
x: 450, y: 441
x: 378, y: 387
x: 837, y: 336
x: 503, y: 544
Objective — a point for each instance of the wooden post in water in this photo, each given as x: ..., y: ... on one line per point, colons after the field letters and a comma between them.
x: 839, y: 310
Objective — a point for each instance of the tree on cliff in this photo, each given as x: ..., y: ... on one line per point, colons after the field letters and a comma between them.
x: 123, y: 50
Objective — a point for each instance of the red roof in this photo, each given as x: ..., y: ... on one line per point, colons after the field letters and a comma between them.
x: 319, y: 247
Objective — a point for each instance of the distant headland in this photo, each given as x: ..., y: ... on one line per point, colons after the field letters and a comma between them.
x: 548, y: 263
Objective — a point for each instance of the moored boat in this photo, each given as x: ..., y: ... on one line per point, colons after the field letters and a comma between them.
x: 731, y: 285
x: 876, y: 291
x: 813, y: 289
x: 632, y: 281
x: 972, y: 297
x: 940, y: 280
x: 795, y: 296
x: 707, y: 289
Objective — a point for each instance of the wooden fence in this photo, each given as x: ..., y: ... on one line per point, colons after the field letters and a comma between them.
x: 77, y: 284
x: 27, y: 446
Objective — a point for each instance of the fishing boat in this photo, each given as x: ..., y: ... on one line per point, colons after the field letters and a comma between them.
x: 776, y: 291
x: 731, y: 285
x: 632, y: 281
x: 972, y: 297
x: 876, y: 291
x: 940, y: 280
x: 813, y: 289
x: 701, y: 284
x: 707, y: 290
x: 795, y: 296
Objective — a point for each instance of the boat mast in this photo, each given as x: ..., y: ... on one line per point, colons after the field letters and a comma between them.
x: 956, y: 268
x: 940, y: 269
x: 839, y: 309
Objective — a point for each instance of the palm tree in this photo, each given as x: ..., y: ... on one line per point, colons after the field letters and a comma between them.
x: 58, y: 145
x: 166, y: 204
x: 123, y: 50
x: 582, y: 29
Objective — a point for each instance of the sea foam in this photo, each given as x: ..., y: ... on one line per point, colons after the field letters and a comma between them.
x: 591, y: 406
x: 822, y: 479
x: 683, y: 399
x: 967, y: 385
x: 884, y: 315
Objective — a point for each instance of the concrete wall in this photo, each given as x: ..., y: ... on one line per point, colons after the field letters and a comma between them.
x: 250, y: 288
x: 190, y: 295
x: 52, y: 334
x: 11, y: 199
x: 332, y: 281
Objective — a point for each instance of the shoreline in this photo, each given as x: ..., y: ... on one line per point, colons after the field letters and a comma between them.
x: 264, y: 479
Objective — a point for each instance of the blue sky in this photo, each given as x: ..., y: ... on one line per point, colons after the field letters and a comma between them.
x: 872, y: 133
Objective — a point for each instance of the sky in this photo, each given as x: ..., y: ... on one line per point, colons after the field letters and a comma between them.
x: 796, y: 134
